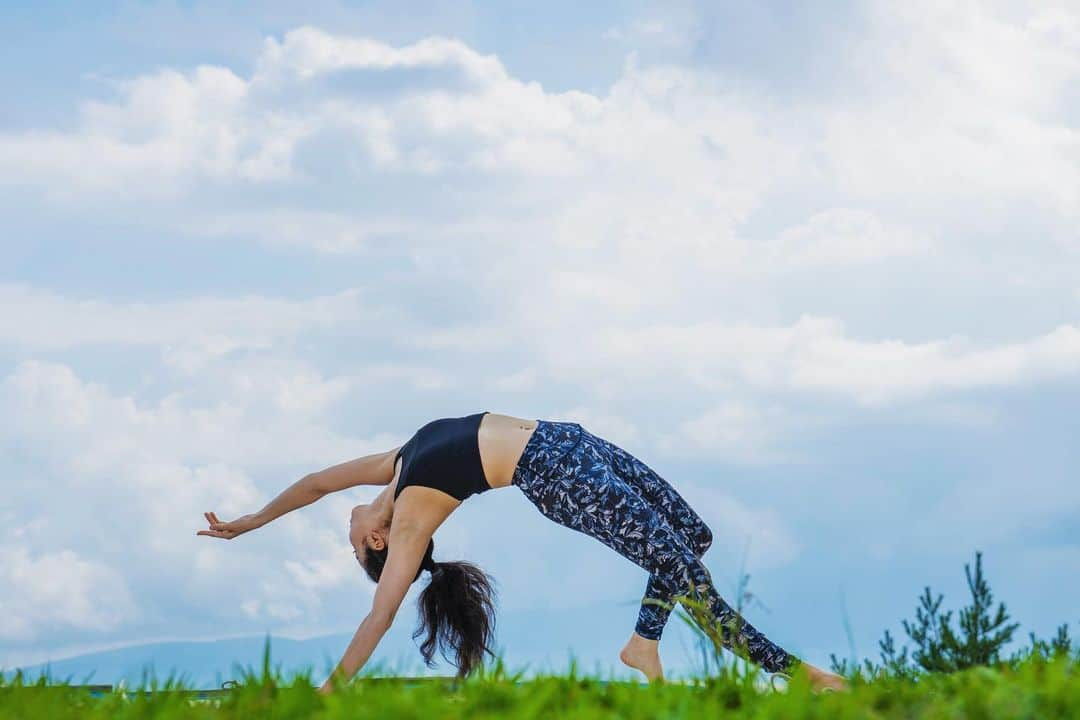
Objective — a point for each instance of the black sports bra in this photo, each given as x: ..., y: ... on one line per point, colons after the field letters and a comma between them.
x: 444, y: 454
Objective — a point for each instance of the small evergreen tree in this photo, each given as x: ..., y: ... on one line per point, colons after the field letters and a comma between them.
x: 981, y: 634
x: 892, y: 662
x: 932, y: 634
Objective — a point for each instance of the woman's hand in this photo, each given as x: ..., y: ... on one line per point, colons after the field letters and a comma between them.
x: 229, y: 530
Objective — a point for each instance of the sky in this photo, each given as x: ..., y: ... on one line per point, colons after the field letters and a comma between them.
x: 817, y: 266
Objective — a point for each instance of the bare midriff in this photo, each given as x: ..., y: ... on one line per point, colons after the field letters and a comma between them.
x: 502, y: 439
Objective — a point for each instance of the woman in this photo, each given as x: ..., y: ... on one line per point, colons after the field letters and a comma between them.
x: 573, y: 477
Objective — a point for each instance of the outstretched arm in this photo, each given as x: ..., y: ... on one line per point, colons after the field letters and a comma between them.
x: 406, y: 550
x: 377, y: 469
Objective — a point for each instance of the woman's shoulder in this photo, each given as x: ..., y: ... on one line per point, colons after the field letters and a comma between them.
x: 423, y: 508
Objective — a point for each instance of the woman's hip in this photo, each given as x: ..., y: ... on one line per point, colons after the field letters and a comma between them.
x: 560, y: 462
x: 548, y: 445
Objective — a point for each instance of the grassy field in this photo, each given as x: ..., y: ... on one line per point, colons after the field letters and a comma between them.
x: 1034, y: 689
x: 950, y: 672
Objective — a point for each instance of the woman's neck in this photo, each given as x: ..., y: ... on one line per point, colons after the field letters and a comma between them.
x: 382, y: 507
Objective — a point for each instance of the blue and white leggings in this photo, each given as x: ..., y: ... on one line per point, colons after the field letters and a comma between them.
x: 595, y: 487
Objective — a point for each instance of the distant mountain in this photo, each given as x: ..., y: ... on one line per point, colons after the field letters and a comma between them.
x: 533, y: 641
x: 200, y: 664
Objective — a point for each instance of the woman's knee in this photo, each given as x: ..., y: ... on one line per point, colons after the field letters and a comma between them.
x: 703, y: 539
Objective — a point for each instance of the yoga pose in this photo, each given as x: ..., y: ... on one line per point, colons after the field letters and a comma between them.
x: 573, y: 477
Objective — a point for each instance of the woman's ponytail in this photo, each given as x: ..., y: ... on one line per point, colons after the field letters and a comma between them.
x: 457, y: 614
x: 456, y: 610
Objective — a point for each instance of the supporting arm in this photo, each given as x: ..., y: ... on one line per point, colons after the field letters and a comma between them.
x: 405, y: 552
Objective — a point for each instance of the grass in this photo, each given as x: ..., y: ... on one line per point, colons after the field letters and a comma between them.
x: 1038, y: 688
x: 950, y: 675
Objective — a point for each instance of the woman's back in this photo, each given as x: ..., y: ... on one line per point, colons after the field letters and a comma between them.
x: 444, y: 454
x: 446, y: 444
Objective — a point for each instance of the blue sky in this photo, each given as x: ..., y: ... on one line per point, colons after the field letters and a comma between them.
x: 818, y: 268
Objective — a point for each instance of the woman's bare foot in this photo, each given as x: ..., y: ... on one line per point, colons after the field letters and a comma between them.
x: 644, y: 655
x: 822, y: 680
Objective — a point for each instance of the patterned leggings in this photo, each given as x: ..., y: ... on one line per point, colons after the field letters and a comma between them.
x: 595, y: 487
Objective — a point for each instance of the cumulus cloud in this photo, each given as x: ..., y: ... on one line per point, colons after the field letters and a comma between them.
x: 135, y: 480
x: 841, y: 236
x: 42, y: 320
x: 817, y: 355
x: 60, y: 590
x: 257, y: 418
x: 736, y: 431
x: 814, y: 354
x: 973, y: 106
x: 324, y: 232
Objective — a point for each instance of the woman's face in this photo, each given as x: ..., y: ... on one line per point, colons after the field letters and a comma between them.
x: 362, y: 532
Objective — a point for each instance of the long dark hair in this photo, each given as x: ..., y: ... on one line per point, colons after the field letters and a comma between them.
x: 457, y: 609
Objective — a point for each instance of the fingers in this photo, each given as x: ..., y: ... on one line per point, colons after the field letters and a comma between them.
x: 215, y: 522
x: 217, y: 529
x: 223, y: 534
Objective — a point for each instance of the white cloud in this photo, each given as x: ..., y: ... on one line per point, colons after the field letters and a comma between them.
x: 733, y: 431
x: 60, y: 590
x: 673, y: 26
x: 256, y: 419
x: 520, y: 381
x: 967, y: 103
x: 41, y: 320
x: 816, y: 355
x: 308, y: 51
x: 324, y: 232
x: 172, y: 129
x: 145, y: 473
x: 841, y: 236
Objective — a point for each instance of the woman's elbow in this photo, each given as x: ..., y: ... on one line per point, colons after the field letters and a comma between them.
x: 380, y: 620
